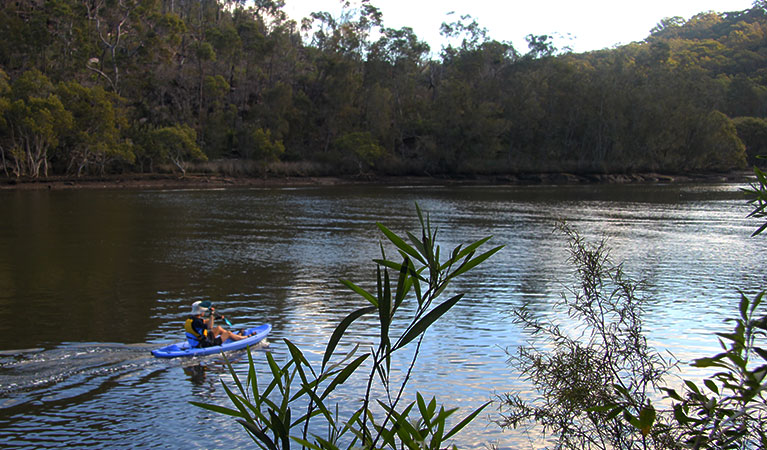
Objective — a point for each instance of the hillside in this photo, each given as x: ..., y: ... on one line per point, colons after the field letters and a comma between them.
x: 123, y: 86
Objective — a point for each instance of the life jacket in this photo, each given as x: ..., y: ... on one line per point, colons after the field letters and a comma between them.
x: 193, y: 337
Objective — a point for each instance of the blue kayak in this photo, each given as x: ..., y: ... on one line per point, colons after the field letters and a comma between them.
x: 182, y: 348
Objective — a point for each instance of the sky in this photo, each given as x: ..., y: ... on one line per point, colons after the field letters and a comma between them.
x: 583, y: 25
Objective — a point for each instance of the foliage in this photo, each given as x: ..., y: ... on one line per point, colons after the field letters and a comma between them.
x: 362, y: 148
x: 596, y: 390
x: 175, y: 144
x: 5, y: 105
x: 229, y: 69
x: 95, y: 138
x: 34, y: 120
x: 729, y: 411
x: 598, y: 370
x: 757, y: 193
x: 753, y: 133
x: 265, y: 147
x: 271, y: 413
x: 725, y: 148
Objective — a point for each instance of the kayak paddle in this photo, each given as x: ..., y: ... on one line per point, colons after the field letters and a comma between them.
x: 225, y: 319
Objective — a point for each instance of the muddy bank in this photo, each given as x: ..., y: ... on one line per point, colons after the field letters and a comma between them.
x: 156, y: 181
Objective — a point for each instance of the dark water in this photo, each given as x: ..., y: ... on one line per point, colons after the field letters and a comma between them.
x: 90, y: 281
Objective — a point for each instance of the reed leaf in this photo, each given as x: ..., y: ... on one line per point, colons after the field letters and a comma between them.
x: 341, y: 329
x: 465, y: 421
x: 344, y: 374
x: 400, y: 243
x: 217, y: 409
x: 260, y: 435
x: 426, y: 321
x: 470, y: 264
x: 365, y: 294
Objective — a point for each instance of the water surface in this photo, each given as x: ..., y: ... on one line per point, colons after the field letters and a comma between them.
x: 90, y: 281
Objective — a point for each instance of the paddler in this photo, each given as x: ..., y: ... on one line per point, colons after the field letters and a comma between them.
x: 201, y: 330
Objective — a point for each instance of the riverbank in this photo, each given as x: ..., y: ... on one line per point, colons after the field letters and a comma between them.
x: 207, y: 181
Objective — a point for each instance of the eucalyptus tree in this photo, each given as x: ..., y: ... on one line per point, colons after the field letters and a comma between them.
x: 51, y: 36
x: 397, y: 91
x: 174, y: 144
x: 746, y: 96
x: 35, y: 120
x: 5, y: 138
x: 112, y: 24
x: 469, y: 122
x: 753, y: 132
x: 334, y: 88
x: 214, y: 101
x: 97, y: 136
x: 266, y: 84
x: 160, y: 95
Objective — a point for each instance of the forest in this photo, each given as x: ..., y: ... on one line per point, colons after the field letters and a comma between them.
x: 95, y: 87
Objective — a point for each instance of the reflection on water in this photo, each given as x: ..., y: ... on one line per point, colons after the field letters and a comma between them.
x: 97, y: 279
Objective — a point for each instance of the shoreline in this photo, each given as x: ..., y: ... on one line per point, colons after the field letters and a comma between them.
x: 209, y: 181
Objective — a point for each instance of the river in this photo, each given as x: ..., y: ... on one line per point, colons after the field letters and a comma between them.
x: 92, y: 280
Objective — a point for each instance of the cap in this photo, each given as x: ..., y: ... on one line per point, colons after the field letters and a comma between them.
x: 201, y: 307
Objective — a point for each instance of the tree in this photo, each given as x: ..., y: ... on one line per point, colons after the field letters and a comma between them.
x: 719, y: 144
x: 112, y: 22
x: 175, y: 144
x: 468, y: 119
x: 5, y: 105
x: 265, y: 147
x: 753, y: 132
x: 540, y: 46
x: 745, y: 97
x: 347, y: 34
x: 396, y: 91
x: 667, y: 27
x: 361, y: 148
x: 35, y: 120
x: 466, y: 30
x: 218, y: 118
x: 95, y: 138
x: 227, y: 68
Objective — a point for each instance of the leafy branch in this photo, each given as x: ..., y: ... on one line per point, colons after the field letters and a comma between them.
x: 268, y: 414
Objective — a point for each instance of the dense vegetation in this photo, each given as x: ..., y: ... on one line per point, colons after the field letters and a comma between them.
x: 96, y: 86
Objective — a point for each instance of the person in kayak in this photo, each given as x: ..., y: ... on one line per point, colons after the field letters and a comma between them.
x: 201, y: 330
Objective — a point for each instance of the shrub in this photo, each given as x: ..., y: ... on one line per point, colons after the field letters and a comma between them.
x: 730, y: 410
x: 597, y: 371
x: 596, y: 388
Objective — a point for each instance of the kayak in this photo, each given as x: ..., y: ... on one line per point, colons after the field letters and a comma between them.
x: 182, y: 348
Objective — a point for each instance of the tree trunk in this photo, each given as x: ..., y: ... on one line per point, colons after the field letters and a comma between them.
x: 2, y: 158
